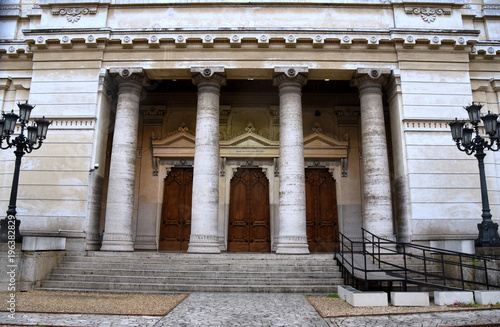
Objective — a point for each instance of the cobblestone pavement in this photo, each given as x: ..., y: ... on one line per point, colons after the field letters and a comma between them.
x: 253, y: 309
x: 87, y: 320
x: 244, y: 309
x: 449, y: 318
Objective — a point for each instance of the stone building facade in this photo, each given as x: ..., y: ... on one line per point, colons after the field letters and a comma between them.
x: 249, y: 126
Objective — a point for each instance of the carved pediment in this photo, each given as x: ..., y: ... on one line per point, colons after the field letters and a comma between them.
x: 318, y: 144
x: 249, y: 139
x: 176, y: 144
x: 318, y: 140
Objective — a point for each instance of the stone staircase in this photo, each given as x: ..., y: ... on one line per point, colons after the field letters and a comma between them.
x: 182, y: 272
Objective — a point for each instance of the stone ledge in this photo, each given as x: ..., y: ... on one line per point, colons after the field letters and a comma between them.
x: 451, y: 297
x: 357, y: 298
x: 41, y: 243
x: 487, y: 297
x: 410, y: 299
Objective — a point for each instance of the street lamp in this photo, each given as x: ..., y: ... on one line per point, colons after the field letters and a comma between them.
x: 9, y: 230
x: 470, y: 144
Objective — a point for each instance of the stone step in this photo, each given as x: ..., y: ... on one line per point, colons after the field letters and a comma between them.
x: 208, y: 256
x: 145, y: 287
x: 201, y: 267
x: 179, y: 260
x: 191, y: 280
x: 201, y: 273
x: 182, y: 272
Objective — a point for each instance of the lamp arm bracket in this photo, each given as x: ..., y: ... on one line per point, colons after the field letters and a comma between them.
x: 461, y: 147
x: 37, y: 146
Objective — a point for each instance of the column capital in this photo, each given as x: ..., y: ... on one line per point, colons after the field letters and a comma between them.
x: 129, y: 79
x: 290, y: 74
x: 370, y: 76
x: 211, y: 74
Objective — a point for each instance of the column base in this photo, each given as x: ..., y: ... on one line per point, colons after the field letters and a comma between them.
x: 91, y: 246
x: 117, y: 246
x: 203, y: 248
x: 292, y: 249
x: 203, y: 244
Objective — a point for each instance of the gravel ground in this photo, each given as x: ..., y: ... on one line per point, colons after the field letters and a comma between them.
x: 94, y: 302
x: 161, y: 304
x: 336, y: 307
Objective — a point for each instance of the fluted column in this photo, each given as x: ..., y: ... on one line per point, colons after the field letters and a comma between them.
x: 118, y: 235
x: 292, y: 237
x: 377, y: 206
x: 204, y: 215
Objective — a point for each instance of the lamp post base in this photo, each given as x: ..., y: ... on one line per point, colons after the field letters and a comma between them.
x: 488, y: 234
x: 9, y: 230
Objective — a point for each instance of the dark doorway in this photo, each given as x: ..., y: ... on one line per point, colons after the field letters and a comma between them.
x: 321, y: 210
x: 249, y: 217
x: 175, y: 228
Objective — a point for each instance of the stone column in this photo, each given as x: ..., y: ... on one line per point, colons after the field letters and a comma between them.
x: 377, y: 206
x: 118, y: 233
x: 292, y: 237
x: 204, y: 215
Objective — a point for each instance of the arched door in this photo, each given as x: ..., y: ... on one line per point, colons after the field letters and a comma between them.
x: 175, y: 228
x: 321, y: 210
x: 249, y: 216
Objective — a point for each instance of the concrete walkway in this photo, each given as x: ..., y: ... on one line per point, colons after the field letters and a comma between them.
x: 253, y: 309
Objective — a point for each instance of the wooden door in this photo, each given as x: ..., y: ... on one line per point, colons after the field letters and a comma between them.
x: 249, y: 216
x: 321, y: 210
x: 175, y: 228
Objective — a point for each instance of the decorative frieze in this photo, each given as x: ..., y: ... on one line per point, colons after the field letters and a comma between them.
x: 426, y: 125
x: 428, y: 14
x: 486, y: 49
x: 73, y: 14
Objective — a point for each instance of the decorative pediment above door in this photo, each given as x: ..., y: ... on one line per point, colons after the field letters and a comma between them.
x: 317, y: 145
x: 178, y: 144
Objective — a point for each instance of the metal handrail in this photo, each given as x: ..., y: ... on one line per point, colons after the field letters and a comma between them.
x: 378, y: 251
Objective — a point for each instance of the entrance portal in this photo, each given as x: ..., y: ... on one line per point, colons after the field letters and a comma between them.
x: 321, y: 210
x: 176, y: 210
x: 249, y: 216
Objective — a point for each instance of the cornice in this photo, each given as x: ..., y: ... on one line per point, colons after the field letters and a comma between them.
x: 259, y: 37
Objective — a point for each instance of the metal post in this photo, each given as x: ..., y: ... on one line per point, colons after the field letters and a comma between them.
x: 488, y: 230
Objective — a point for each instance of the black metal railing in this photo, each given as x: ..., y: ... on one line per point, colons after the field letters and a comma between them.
x: 375, y: 259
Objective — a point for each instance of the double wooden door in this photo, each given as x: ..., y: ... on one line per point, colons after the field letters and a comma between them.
x: 175, y: 227
x: 321, y: 210
x: 249, y: 216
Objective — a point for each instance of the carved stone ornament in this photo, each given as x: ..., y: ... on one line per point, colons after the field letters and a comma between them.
x: 428, y: 14
x: 73, y: 15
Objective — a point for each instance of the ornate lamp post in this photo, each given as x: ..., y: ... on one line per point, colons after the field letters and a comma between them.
x: 470, y: 144
x: 9, y: 230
